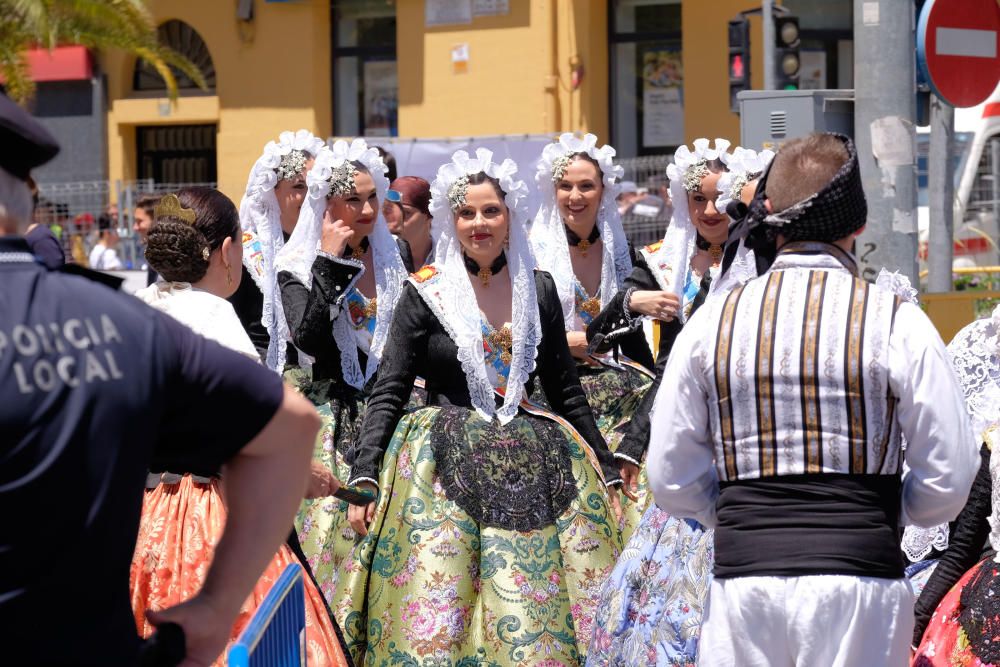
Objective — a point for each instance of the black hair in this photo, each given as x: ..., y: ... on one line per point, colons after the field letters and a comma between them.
x: 481, y: 177
x: 179, y: 250
x: 390, y: 163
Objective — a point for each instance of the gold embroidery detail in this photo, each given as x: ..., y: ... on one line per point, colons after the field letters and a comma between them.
x: 591, y: 306
x: 371, y: 308
x: 502, y: 339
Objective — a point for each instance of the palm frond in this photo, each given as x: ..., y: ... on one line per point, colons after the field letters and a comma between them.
x: 97, y: 24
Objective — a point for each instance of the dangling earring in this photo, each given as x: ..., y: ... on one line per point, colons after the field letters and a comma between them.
x: 506, y: 242
x: 229, y: 276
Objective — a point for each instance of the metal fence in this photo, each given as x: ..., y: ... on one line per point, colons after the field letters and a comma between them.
x: 73, y: 211
x: 646, y: 218
x: 273, y: 638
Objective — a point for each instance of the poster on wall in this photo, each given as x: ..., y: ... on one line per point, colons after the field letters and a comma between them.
x: 381, y: 99
x: 447, y: 12
x: 662, y: 98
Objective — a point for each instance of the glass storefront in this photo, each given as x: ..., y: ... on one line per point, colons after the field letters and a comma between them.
x: 647, y: 77
x: 365, y: 89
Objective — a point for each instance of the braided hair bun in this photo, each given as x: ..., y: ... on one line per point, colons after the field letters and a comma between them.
x: 178, y: 249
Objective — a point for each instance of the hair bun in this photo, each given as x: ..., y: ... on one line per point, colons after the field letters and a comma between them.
x: 177, y: 251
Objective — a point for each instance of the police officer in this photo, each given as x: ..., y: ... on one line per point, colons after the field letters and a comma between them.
x: 93, y: 387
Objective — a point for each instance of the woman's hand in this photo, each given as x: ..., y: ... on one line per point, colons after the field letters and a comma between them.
x: 657, y: 304
x: 336, y: 234
x: 577, y: 341
x: 630, y: 477
x: 360, y: 517
x: 322, y: 482
x: 616, y: 503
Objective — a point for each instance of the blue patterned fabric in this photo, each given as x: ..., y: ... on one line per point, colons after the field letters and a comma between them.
x: 580, y: 298
x: 650, y: 608
x: 495, y: 356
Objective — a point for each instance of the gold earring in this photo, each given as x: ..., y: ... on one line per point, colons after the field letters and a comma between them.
x: 229, y: 276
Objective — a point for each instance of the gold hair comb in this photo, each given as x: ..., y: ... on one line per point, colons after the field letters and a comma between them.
x: 169, y: 206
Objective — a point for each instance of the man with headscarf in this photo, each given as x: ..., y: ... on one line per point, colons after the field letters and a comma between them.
x: 779, y: 423
x: 95, y: 388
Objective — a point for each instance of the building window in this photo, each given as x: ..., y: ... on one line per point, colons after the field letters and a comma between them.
x: 647, y: 77
x: 182, y: 38
x: 365, y: 92
x: 177, y: 154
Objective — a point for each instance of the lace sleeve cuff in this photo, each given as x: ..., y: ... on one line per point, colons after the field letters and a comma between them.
x: 357, y: 480
x: 626, y: 457
x: 337, y: 275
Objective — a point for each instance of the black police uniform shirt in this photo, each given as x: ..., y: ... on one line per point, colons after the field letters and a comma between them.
x: 96, y: 388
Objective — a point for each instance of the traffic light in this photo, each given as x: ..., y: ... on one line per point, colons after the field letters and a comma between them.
x: 786, y: 52
x: 739, y: 59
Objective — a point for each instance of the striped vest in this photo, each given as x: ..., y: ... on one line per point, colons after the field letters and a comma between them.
x: 800, y: 377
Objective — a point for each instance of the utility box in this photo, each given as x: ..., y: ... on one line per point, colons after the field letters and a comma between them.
x: 769, y: 118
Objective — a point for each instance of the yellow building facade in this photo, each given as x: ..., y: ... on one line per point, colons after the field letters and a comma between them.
x: 530, y: 67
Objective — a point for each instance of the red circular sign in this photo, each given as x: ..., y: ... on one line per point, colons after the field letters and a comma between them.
x: 958, y: 42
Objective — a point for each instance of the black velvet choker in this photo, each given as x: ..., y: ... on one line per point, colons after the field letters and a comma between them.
x: 713, y: 249
x: 357, y: 253
x: 583, y: 244
x: 485, y: 274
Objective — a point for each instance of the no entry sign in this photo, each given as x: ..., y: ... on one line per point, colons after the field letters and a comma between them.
x: 958, y: 49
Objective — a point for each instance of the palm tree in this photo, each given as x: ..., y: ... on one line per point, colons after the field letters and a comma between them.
x: 96, y: 24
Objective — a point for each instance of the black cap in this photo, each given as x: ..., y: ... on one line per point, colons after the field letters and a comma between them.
x: 26, y: 143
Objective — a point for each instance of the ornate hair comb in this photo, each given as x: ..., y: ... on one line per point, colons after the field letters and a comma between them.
x: 169, y: 206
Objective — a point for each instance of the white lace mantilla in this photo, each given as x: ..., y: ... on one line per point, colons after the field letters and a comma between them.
x: 671, y: 261
x: 298, y: 255
x: 744, y: 166
x: 260, y: 219
x: 459, y: 311
x: 548, y: 236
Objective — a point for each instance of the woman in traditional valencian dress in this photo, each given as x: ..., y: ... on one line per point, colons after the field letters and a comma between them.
x: 194, y: 245
x: 494, y: 525
x: 958, y: 611
x: 578, y: 238
x: 269, y: 211
x: 340, y: 276
x: 651, y: 605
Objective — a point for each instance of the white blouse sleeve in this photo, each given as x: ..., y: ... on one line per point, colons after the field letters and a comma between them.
x: 680, y: 463
x: 941, y: 451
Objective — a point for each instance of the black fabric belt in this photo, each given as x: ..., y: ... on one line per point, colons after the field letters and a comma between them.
x: 799, y: 525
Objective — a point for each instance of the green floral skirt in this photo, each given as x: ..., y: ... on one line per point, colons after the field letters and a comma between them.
x: 489, y: 546
x: 321, y: 523
x: 614, y: 396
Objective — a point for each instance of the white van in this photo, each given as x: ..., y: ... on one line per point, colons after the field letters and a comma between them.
x: 977, y: 185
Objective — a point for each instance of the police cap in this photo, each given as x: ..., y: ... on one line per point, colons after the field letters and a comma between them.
x: 27, y: 144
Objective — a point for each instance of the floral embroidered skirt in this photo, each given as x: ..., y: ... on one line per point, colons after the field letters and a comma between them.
x: 651, y: 606
x: 614, y: 396
x: 489, y: 546
x: 966, y: 624
x: 181, y: 524
x: 321, y: 523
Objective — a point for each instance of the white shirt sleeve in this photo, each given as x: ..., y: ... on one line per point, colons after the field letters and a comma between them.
x: 681, y: 459
x: 111, y: 260
x: 941, y: 450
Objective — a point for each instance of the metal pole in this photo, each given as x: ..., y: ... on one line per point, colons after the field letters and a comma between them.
x: 941, y: 196
x: 885, y: 106
x: 767, y: 34
x: 995, y: 163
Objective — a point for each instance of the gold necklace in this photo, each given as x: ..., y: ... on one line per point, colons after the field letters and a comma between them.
x: 715, y: 251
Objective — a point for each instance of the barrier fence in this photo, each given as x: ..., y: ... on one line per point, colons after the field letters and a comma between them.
x: 274, y: 637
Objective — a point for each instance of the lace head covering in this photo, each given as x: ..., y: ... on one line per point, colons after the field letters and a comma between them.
x: 739, y: 265
x: 548, y: 235
x: 685, y: 174
x: 333, y: 174
x: 461, y: 316
x: 975, y: 354
x: 260, y: 219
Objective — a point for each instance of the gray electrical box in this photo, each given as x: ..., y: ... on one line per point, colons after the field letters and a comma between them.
x: 769, y: 118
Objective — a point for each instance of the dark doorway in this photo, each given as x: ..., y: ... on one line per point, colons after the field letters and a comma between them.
x: 177, y: 153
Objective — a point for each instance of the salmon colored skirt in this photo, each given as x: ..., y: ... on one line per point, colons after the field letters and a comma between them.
x: 180, y: 526
x: 945, y: 643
